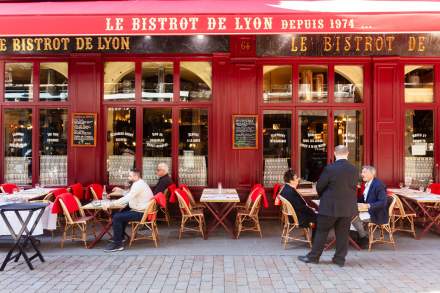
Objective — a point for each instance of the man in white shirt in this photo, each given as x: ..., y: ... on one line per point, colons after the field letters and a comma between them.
x: 137, y: 199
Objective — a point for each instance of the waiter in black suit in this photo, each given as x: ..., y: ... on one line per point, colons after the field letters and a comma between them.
x: 336, y: 188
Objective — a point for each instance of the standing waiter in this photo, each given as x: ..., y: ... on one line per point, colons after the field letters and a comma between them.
x: 338, y: 204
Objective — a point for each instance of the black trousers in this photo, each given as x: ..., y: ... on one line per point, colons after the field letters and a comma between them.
x: 120, y: 221
x: 342, y: 229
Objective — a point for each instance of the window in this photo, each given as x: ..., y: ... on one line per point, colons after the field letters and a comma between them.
x: 349, y: 84
x: 193, y: 147
x: 313, y: 83
x: 195, y: 81
x: 156, y: 142
x: 157, y: 81
x: 18, y: 82
x: 419, y: 145
x: 119, y: 81
x: 277, y: 83
x: 18, y: 146
x: 53, y: 147
x: 121, y: 144
x: 54, y: 81
x: 276, y: 145
x: 419, y: 84
x: 349, y: 131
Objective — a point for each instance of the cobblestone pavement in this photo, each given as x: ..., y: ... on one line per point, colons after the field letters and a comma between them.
x: 220, y: 264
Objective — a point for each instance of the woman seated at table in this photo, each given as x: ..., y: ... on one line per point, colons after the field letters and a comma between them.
x: 306, y: 215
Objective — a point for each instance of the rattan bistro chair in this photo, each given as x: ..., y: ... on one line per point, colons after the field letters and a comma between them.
x: 401, y: 217
x: 247, y: 220
x: 148, y: 222
x: 192, y: 201
x: 383, y: 229
x: 192, y: 220
x: 291, y: 223
x: 77, y: 220
x: 165, y: 214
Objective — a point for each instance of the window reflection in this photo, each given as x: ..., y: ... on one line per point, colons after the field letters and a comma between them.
x: 53, y: 147
x: 313, y: 83
x: 18, y: 146
x: 18, y: 82
x: 348, y: 131
x: 349, y: 85
x: 419, y: 145
x: 276, y: 145
x: 157, y: 81
x: 277, y: 83
x: 119, y: 78
x: 195, y: 81
x: 419, y: 86
x: 121, y: 143
x: 53, y: 81
x: 156, y: 142
x: 193, y: 147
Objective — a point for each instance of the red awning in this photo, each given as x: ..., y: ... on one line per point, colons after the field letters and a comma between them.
x: 216, y: 17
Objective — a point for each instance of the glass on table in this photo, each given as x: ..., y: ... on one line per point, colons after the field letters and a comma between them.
x: 401, y: 185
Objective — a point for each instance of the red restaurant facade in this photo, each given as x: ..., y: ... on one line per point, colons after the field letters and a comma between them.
x: 84, y: 102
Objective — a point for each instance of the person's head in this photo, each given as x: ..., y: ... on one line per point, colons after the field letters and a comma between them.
x: 133, y: 176
x: 368, y: 173
x: 291, y: 177
x: 341, y: 152
x: 162, y: 169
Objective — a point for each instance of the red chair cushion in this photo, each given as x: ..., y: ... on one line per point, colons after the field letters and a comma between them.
x: 259, y: 190
x: 276, y: 190
x: 69, y: 200
x: 184, y: 195
x: 161, y: 199
x: 9, y: 187
x: 58, y: 191
x: 98, y: 188
x: 77, y: 190
x: 435, y: 188
x: 171, y: 189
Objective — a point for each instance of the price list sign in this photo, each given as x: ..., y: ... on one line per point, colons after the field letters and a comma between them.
x: 84, y: 129
x: 245, y: 132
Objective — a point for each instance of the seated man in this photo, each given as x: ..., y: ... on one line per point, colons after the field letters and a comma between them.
x: 375, y: 200
x: 164, y: 179
x: 137, y: 199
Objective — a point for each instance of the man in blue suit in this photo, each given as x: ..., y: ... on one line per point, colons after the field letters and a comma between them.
x: 375, y: 199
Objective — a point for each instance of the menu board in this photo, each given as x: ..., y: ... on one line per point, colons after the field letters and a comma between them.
x: 245, y: 131
x: 83, y: 129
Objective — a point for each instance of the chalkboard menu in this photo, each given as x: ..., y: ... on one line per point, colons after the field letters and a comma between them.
x: 84, y: 129
x: 245, y: 131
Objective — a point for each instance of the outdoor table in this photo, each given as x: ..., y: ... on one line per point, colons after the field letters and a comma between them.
x: 417, y: 201
x: 29, y: 194
x: 24, y: 235
x: 351, y: 241
x: 220, y: 202
x: 96, y: 208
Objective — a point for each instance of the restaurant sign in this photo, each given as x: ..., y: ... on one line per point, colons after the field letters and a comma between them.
x: 349, y: 45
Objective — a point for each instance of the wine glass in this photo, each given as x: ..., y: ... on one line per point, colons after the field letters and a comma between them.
x: 401, y: 185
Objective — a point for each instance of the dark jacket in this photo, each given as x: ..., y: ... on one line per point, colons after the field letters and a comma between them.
x: 336, y: 188
x: 304, y: 213
x: 162, y: 184
x: 377, y: 198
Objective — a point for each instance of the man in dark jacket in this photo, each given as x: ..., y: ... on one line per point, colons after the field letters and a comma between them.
x: 336, y: 188
x: 375, y: 199
x: 164, y: 179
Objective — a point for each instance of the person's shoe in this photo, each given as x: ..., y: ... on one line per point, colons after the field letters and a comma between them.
x: 306, y: 259
x: 112, y: 247
x: 338, y: 263
x: 363, y: 242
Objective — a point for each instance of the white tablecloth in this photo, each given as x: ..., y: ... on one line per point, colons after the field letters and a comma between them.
x: 48, y: 221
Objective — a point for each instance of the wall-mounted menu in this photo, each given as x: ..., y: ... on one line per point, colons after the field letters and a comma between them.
x: 84, y: 129
x: 245, y: 131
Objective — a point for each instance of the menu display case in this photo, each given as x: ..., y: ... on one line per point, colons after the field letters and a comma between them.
x: 53, y: 170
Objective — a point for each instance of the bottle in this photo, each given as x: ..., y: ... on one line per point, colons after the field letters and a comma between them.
x: 104, y: 194
x: 219, y: 187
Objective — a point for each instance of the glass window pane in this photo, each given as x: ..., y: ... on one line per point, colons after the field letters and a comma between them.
x: 54, y: 81
x: 157, y: 81
x: 18, y: 82
x: 276, y: 145
x: 313, y: 83
x: 193, y: 147
x: 277, y: 83
x: 53, y: 147
x: 349, y: 131
x: 349, y: 83
x: 419, y: 145
x: 419, y: 86
x: 156, y: 142
x: 121, y: 143
x: 195, y: 81
x: 119, y: 81
x: 313, y: 137
x: 18, y: 146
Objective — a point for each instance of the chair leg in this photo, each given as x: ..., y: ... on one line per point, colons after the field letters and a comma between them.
x: 133, y: 233
x: 182, y: 225
x: 240, y: 220
x: 259, y: 227
x: 201, y: 226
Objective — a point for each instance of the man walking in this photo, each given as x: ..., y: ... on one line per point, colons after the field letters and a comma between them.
x: 336, y: 188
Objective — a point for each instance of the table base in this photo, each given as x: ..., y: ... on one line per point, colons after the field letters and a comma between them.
x: 220, y: 211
